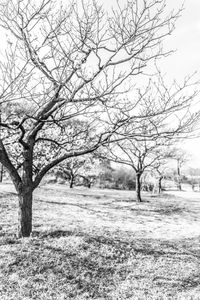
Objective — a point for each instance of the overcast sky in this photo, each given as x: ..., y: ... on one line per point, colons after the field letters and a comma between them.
x: 186, y: 59
x: 186, y: 41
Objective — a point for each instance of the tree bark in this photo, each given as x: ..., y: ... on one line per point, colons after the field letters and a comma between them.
x: 160, y: 184
x: 179, y: 175
x: 25, y: 194
x: 89, y: 184
x: 71, y: 184
x: 138, y: 187
x: 25, y: 212
x: 1, y: 172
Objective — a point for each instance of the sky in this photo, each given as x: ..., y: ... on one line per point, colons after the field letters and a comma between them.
x: 185, y: 41
x: 186, y: 59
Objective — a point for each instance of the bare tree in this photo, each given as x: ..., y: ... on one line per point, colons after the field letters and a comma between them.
x: 160, y: 170
x: 193, y: 175
x: 69, y: 169
x: 85, y: 168
x: 140, y: 155
x: 181, y: 157
x: 168, y: 118
x: 62, y: 63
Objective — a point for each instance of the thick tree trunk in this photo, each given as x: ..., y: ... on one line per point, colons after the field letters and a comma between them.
x: 25, y: 213
x: 138, y: 187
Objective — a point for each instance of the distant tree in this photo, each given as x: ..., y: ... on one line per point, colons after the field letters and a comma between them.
x: 144, y: 149
x: 123, y: 179
x: 161, y: 167
x: 181, y: 157
x: 140, y: 155
x: 160, y: 172
x: 90, y: 170
x: 193, y: 175
x: 106, y: 175
x: 86, y: 168
x: 69, y: 170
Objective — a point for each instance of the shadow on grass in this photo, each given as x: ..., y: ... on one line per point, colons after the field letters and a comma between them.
x: 52, y: 234
x: 163, y: 211
x: 8, y: 240
x: 132, y: 200
x: 96, y: 266
x: 190, y: 282
x: 146, y: 247
x: 7, y: 195
x: 83, y: 206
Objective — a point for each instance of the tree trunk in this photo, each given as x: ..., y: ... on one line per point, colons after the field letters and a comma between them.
x: 25, y: 213
x: 179, y: 185
x: 1, y: 172
x: 193, y: 186
x: 71, y: 184
x: 138, y: 187
x: 89, y: 184
x: 160, y: 184
x: 179, y: 175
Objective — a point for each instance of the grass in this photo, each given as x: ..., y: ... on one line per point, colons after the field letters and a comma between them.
x: 101, y: 244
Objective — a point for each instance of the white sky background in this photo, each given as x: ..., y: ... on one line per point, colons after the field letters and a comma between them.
x: 185, y: 40
x: 186, y: 60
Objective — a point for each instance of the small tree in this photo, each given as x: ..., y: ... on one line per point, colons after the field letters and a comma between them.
x: 161, y: 166
x: 69, y: 170
x: 160, y: 172
x: 193, y: 177
x: 181, y: 157
x: 140, y: 155
x: 77, y: 168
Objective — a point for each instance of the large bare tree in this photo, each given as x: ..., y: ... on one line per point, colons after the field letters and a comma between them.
x: 63, y: 63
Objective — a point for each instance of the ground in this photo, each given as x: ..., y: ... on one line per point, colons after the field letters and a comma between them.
x: 101, y: 244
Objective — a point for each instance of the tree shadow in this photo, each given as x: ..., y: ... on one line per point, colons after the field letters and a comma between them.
x: 82, y: 206
x: 98, y: 264
x: 52, y: 234
x: 7, y: 194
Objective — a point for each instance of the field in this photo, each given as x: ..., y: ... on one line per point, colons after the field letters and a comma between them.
x: 101, y: 244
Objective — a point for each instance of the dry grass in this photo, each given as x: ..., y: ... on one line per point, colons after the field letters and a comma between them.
x: 100, y: 244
